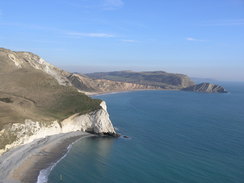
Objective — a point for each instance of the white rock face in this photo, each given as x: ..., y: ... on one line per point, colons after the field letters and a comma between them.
x: 40, y: 64
x: 23, y: 59
x: 96, y: 122
x: 15, y: 60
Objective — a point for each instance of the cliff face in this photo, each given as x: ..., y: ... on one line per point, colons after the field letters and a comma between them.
x: 33, y: 89
x: 38, y: 100
x: 27, y: 60
x: 89, y: 85
x: 22, y: 133
x: 206, y: 88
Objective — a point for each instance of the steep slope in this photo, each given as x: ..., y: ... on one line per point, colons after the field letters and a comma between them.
x: 28, y: 60
x: 89, y: 85
x: 14, y: 134
x: 33, y: 90
x: 159, y: 79
x: 206, y: 88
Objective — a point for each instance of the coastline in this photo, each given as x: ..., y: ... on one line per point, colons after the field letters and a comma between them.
x: 91, y: 94
x: 24, y: 163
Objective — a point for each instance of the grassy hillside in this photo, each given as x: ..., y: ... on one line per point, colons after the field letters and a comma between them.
x: 157, y: 78
x: 29, y: 93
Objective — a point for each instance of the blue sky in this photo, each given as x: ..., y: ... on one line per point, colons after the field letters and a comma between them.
x: 201, y: 38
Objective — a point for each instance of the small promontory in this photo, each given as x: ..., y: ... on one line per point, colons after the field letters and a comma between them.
x: 206, y: 88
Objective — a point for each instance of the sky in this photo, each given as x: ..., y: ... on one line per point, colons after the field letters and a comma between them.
x: 200, y: 38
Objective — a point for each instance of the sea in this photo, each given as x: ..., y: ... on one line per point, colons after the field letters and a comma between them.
x: 173, y: 137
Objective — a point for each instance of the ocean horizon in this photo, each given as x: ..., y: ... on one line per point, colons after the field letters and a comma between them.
x: 174, y: 136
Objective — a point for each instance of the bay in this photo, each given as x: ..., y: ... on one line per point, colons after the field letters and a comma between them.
x: 174, y: 136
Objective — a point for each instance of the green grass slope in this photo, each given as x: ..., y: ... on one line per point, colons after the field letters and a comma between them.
x: 29, y: 93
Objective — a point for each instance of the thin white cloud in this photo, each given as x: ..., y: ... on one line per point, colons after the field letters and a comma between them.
x: 96, y: 4
x: 194, y: 39
x: 129, y: 40
x: 70, y: 33
x: 32, y: 26
x: 112, y: 4
x: 92, y: 35
x: 230, y: 22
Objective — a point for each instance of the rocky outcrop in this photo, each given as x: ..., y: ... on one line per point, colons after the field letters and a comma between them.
x: 22, y: 133
x: 206, y: 88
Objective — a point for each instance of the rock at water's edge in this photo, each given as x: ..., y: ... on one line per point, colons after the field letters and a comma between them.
x: 206, y: 88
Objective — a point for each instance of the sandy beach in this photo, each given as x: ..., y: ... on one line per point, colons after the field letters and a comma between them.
x: 91, y: 94
x: 23, y: 164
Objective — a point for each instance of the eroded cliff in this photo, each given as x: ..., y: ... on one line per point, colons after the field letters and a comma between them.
x: 16, y: 134
x: 37, y: 100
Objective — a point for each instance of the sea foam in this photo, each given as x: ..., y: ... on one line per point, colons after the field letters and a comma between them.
x: 44, y: 173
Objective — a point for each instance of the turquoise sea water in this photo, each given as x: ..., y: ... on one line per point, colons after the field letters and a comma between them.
x: 178, y: 137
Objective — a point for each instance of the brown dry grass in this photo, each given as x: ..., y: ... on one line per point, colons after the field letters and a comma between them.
x: 36, y: 95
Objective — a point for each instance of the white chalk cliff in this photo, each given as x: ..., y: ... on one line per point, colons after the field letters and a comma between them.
x: 20, y: 58
x: 97, y: 122
x: 31, y: 122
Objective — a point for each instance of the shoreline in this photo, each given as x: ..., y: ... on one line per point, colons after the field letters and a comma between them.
x: 91, y: 94
x: 24, y: 163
